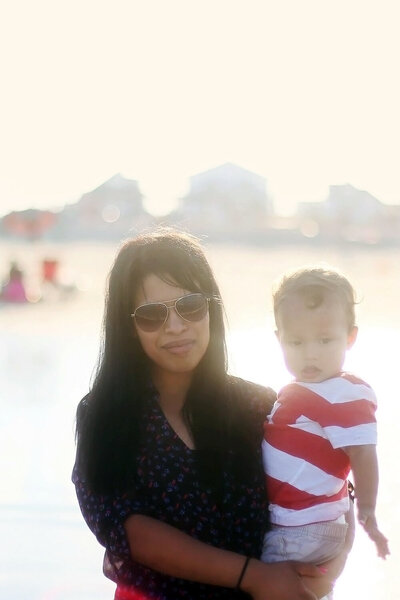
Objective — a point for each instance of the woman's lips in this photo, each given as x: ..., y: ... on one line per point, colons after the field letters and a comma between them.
x: 179, y: 346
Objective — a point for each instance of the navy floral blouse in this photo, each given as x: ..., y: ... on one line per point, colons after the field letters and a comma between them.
x: 168, y: 488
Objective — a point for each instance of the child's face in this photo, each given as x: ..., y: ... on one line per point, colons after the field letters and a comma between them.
x: 314, y: 340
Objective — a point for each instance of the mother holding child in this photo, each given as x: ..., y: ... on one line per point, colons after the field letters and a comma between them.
x: 169, y: 472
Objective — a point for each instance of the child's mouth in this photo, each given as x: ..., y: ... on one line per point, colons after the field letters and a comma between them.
x: 311, y: 371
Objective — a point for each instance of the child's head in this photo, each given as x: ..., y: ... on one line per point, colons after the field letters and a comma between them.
x: 315, y: 321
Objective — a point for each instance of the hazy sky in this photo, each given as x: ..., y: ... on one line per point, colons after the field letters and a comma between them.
x: 304, y: 93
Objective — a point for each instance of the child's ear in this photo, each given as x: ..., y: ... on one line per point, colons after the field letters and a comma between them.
x: 352, y: 336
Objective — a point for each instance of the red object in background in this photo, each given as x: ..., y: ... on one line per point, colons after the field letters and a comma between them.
x: 49, y: 270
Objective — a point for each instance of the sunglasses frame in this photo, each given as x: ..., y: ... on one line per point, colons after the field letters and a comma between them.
x: 171, y: 304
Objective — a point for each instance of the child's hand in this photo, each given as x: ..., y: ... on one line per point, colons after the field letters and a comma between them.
x: 381, y: 543
x: 368, y: 521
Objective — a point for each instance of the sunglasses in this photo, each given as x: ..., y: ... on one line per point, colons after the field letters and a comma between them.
x: 152, y: 316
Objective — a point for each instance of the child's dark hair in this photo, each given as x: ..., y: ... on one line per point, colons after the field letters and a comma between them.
x: 314, y: 282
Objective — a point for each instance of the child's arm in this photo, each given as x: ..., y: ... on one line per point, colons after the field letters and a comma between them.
x: 364, y: 465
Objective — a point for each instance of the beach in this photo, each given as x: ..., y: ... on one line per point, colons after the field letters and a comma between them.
x: 48, y: 353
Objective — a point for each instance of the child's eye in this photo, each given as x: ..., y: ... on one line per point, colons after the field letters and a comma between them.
x: 294, y: 342
x: 325, y: 340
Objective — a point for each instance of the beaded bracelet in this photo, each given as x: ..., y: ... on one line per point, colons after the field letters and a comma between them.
x: 243, y: 571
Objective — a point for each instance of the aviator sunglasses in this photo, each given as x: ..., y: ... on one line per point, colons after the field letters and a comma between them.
x: 152, y: 316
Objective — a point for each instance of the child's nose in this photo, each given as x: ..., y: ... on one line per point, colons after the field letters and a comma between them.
x: 311, y: 350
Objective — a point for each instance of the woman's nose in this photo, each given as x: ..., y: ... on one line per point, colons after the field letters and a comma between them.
x: 174, y: 322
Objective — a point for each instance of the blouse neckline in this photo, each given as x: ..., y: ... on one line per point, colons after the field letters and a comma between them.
x: 166, y: 423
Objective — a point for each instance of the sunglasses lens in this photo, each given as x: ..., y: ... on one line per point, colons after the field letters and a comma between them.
x: 192, y: 307
x: 151, y: 317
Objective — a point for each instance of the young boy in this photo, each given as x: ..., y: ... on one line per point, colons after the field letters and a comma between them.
x: 322, y: 425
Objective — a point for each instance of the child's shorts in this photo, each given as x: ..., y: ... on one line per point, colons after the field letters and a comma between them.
x: 314, y: 543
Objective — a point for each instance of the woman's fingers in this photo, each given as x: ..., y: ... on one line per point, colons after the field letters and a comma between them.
x: 308, y: 570
x: 279, y: 581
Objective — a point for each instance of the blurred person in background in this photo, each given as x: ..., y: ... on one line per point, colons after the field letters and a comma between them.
x: 13, y: 290
x: 168, y: 471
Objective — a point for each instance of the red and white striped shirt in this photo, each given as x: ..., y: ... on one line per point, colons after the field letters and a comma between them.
x: 305, y: 467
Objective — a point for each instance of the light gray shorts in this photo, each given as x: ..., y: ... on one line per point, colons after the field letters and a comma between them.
x: 314, y: 543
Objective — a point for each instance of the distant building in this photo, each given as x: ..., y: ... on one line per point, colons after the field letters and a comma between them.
x: 110, y: 211
x: 392, y: 223
x: 224, y: 201
x: 348, y: 204
x: 30, y: 224
x: 348, y: 213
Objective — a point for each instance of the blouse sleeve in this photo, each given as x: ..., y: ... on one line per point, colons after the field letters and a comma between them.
x: 264, y: 398
x: 255, y: 402
x: 105, y: 515
x: 258, y: 399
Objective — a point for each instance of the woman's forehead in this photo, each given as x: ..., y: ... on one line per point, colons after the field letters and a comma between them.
x: 156, y: 288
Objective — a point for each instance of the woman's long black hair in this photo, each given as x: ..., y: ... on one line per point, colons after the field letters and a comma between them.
x: 109, y: 417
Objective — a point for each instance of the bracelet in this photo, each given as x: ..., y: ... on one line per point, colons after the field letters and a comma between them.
x: 243, y: 571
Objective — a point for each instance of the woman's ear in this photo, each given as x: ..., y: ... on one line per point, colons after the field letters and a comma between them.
x: 351, y: 338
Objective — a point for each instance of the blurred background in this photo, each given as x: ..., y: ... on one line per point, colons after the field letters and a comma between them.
x: 271, y: 132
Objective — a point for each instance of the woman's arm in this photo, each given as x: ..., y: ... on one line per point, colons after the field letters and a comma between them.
x: 172, y: 552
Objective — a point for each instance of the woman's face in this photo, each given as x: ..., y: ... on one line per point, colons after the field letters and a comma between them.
x: 177, y: 346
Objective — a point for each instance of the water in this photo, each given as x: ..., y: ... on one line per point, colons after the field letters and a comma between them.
x: 47, y: 353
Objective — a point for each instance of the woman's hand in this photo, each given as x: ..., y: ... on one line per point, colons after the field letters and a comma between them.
x: 319, y: 587
x: 281, y: 581
x: 331, y: 569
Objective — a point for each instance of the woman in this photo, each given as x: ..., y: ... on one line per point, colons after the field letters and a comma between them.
x: 168, y: 471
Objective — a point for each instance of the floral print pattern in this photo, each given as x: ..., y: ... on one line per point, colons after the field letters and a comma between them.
x: 168, y: 488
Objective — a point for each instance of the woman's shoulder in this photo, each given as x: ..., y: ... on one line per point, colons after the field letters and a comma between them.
x: 254, y: 395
